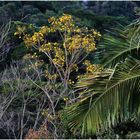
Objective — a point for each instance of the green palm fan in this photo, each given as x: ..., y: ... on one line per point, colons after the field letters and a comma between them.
x: 114, y: 97
x: 120, y: 43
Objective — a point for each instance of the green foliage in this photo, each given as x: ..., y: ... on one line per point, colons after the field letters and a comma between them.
x: 18, y: 52
x: 117, y: 45
x: 27, y: 11
x: 49, y: 13
x: 109, y: 134
x: 112, y: 99
x: 113, y: 96
x: 134, y: 135
x: 128, y: 129
x: 90, y: 19
x: 104, y: 101
x: 66, y: 133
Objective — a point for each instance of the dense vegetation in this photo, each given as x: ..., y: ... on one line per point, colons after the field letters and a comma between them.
x: 69, y: 69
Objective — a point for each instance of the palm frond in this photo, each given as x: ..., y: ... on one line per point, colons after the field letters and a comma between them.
x: 117, y: 98
x: 117, y: 45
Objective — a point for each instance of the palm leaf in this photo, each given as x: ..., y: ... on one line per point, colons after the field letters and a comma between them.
x: 116, y: 101
x: 117, y: 45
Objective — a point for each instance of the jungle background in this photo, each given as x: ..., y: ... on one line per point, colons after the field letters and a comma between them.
x: 97, y: 97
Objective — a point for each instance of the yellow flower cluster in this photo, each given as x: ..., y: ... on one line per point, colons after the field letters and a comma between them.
x: 91, y: 68
x: 47, y: 47
x: 44, y: 30
x: 96, y: 34
x: 59, y: 57
x: 64, y: 23
x: 28, y: 40
x: 88, y: 43
x: 74, y: 42
x: 71, y: 40
x: 33, y: 40
x: 78, y: 41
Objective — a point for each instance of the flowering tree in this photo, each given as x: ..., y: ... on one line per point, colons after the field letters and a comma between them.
x: 71, y: 48
x: 66, y: 48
